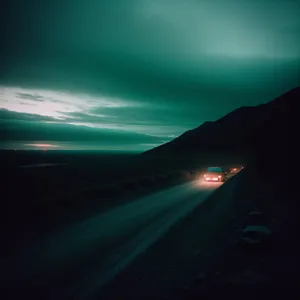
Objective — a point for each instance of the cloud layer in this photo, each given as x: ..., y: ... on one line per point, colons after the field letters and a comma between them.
x: 142, y: 67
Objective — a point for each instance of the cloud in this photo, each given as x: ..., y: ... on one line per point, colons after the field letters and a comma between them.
x: 25, y: 103
x: 24, y: 132
x: 23, y: 126
x: 94, y: 111
x: 73, y: 48
x: 25, y: 96
x: 54, y: 103
x: 151, y: 67
x: 6, y: 114
x: 153, y: 120
x: 86, y: 117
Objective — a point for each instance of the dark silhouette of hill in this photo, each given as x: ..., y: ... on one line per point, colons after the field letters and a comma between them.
x: 254, y: 131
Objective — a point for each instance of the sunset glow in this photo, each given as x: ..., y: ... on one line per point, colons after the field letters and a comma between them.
x: 43, y: 145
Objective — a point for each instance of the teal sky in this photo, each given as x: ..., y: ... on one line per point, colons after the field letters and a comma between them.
x: 130, y: 75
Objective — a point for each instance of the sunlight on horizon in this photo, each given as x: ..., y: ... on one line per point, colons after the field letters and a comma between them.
x: 38, y: 145
x: 54, y: 104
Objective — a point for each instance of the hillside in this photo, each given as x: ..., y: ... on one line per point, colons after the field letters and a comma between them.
x: 244, y: 131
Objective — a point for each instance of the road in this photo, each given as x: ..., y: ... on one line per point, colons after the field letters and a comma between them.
x: 75, y: 262
x: 188, y: 255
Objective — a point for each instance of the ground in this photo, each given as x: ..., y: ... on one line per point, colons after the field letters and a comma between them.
x: 202, y: 256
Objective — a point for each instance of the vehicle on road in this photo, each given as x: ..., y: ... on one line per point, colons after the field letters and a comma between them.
x: 235, y: 170
x: 215, y: 174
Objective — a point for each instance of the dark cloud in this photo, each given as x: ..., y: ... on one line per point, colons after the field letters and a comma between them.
x: 33, y: 131
x: 21, y: 128
x: 26, y: 103
x: 25, y: 96
x: 146, y: 116
x: 15, y: 116
x: 237, y: 82
x: 180, y: 62
x: 87, y: 118
x: 117, y: 49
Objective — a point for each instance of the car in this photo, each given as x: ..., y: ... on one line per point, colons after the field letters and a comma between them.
x: 217, y: 174
x: 235, y: 170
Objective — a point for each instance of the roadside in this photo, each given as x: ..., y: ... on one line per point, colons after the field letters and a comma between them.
x: 267, y: 266
x: 90, y: 253
x: 48, y: 214
x: 39, y: 200
x: 28, y: 217
x: 202, y: 255
x: 177, y: 262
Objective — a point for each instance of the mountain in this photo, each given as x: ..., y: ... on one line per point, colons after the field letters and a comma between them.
x: 265, y: 129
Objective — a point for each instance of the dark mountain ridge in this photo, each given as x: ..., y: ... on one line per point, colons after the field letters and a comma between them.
x: 248, y: 130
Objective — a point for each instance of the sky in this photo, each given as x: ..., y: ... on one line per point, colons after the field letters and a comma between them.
x: 133, y: 74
